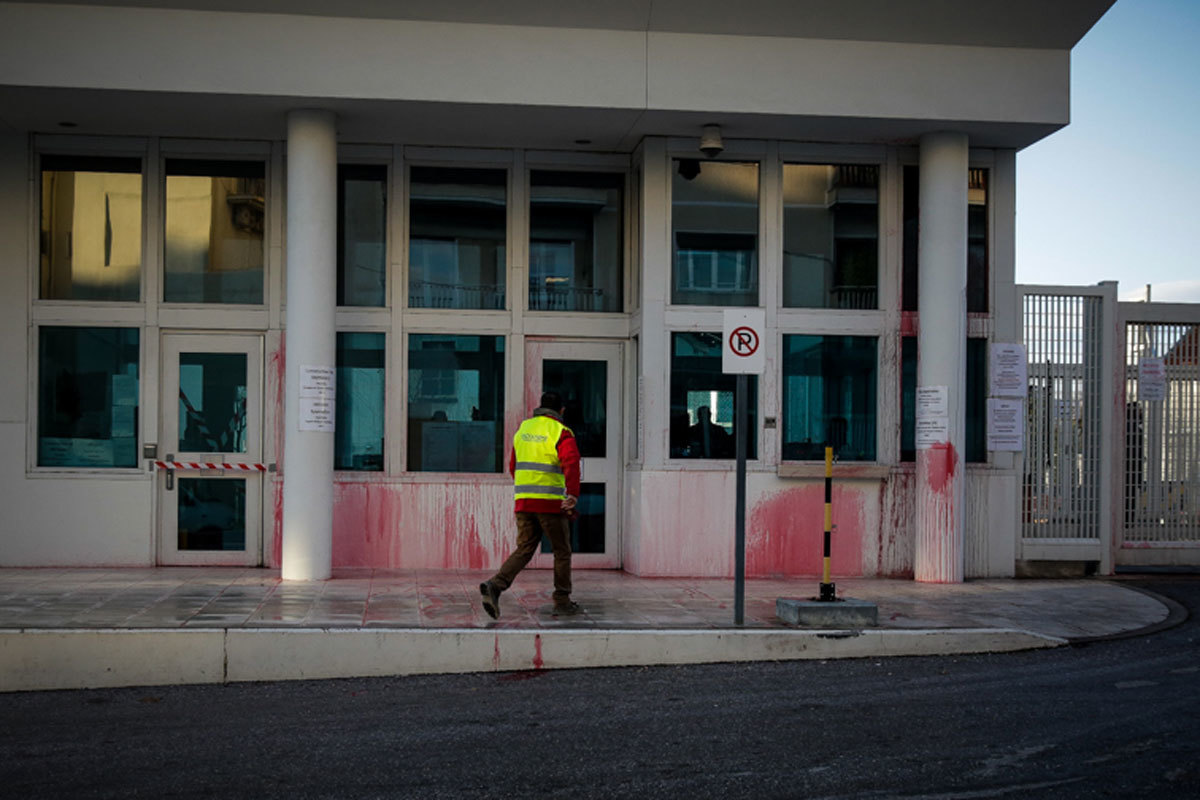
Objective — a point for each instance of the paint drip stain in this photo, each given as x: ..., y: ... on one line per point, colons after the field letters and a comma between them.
x: 538, y: 663
x: 941, y: 461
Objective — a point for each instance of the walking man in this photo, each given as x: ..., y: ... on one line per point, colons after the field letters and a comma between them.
x: 545, y: 467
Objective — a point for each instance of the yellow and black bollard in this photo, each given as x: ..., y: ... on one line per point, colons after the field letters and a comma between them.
x: 828, y: 592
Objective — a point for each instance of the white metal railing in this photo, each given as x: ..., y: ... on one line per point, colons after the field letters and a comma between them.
x: 433, y: 294
x: 1162, y: 434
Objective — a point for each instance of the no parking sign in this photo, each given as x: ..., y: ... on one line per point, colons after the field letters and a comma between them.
x: 742, y: 349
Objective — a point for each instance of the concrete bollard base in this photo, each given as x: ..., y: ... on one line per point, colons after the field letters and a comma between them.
x: 845, y: 612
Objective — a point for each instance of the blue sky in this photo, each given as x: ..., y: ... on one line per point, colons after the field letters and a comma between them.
x: 1113, y: 196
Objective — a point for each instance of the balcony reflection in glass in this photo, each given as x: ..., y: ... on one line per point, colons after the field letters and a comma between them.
x: 830, y: 236
x: 458, y: 222
x: 714, y: 233
x: 575, y: 241
x: 213, y: 240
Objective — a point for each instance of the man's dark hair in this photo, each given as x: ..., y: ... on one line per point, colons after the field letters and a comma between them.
x: 552, y: 401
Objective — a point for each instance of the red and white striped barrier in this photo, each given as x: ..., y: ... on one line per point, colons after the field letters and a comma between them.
x: 210, y: 465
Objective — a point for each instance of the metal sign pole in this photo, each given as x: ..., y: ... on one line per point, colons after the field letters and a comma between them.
x: 739, y: 580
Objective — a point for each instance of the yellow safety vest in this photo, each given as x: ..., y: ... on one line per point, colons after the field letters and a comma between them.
x: 538, y: 475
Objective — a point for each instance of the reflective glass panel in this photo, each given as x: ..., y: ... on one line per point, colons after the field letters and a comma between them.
x: 830, y: 236
x: 358, y: 434
x: 91, y: 228
x: 211, y: 513
x: 587, y: 529
x: 87, y: 397
x: 583, y: 386
x: 977, y: 377
x: 829, y: 385
x: 702, y: 400
x: 977, y: 246
x: 213, y: 238
x: 458, y: 222
x: 362, y: 235
x: 714, y: 233
x: 455, y: 403
x: 575, y: 241
x: 212, y: 402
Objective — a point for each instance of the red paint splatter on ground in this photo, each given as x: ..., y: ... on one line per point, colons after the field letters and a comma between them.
x: 785, y: 533
x: 940, y: 462
x: 538, y: 663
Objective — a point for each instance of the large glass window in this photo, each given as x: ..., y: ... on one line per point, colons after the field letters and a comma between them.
x: 362, y: 235
x: 977, y: 377
x: 455, y: 403
x: 830, y: 236
x: 714, y: 233
x: 91, y: 228
x: 458, y: 223
x: 358, y: 434
x: 829, y: 385
x: 702, y: 400
x: 977, y: 227
x: 87, y: 397
x: 213, y: 238
x: 575, y: 241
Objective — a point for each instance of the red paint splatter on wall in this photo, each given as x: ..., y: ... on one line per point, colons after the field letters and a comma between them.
x: 941, y: 462
x: 785, y: 532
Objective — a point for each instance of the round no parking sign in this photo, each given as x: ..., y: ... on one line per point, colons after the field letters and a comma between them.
x: 742, y: 350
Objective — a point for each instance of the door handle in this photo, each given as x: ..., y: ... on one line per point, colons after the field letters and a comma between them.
x: 170, y: 480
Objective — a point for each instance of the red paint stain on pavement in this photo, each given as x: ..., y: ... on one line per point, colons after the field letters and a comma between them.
x: 496, y: 652
x: 941, y: 462
x: 785, y: 533
x: 538, y: 663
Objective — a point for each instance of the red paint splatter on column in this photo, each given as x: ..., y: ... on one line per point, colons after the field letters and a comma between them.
x: 940, y: 461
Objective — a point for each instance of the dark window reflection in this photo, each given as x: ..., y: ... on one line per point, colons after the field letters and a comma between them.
x: 702, y: 400
x: 977, y: 249
x: 91, y: 228
x: 587, y: 529
x: 976, y: 422
x: 830, y: 236
x: 362, y: 235
x: 458, y: 222
x: 575, y: 241
x: 714, y: 233
x: 358, y: 434
x: 211, y: 513
x: 213, y: 238
x: 829, y: 385
x: 583, y: 385
x: 87, y: 397
x: 455, y: 403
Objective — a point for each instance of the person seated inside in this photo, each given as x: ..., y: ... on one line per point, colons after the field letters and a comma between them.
x: 706, y: 439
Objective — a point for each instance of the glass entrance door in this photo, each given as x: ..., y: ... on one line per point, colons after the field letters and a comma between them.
x: 588, y: 376
x: 211, y: 436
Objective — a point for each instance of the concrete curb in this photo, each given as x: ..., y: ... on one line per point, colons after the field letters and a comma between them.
x: 39, y: 659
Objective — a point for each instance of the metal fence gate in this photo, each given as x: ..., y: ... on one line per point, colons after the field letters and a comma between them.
x: 1068, y: 340
x: 1161, y: 460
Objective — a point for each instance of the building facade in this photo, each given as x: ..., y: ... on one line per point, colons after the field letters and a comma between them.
x: 280, y: 280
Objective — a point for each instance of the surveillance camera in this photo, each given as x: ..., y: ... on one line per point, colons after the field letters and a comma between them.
x: 710, y: 141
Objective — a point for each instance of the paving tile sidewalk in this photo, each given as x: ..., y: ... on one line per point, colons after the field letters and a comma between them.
x: 189, y: 597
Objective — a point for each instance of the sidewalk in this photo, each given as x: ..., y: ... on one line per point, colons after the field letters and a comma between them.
x: 66, y: 628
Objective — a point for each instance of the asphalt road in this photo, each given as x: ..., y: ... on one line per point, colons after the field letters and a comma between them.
x: 1116, y: 718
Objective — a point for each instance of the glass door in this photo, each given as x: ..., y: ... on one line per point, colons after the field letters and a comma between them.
x: 211, y: 437
x: 588, y: 376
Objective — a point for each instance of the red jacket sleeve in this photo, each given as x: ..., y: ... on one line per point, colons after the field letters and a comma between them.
x: 568, y: 457
x: 512, y: 462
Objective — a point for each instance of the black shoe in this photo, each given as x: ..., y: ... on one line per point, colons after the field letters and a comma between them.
x: 567, y: 609
x: 491, y: 599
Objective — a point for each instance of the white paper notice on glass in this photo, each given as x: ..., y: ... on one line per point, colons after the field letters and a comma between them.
x: 1152, y: 379
x: 933, y: 416
x: 318, y: 392
x: 1009, y: 373
x: 1006, y: 424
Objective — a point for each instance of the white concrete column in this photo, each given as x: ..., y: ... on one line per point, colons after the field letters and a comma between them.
x: 941, y: 362
x: 310, y: 338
